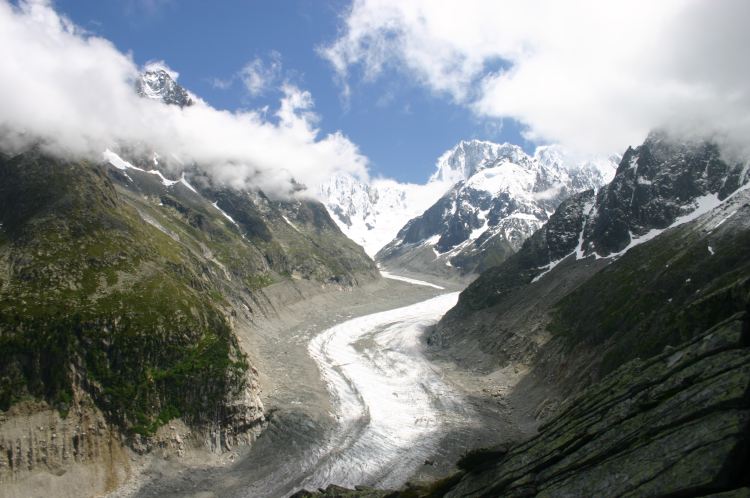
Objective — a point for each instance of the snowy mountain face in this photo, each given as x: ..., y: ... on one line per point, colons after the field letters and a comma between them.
x: 505, y: 196
x: 681, y: 200
x: 371, y: 214
x: 158, y: 85
x: 659, y: 185
x: 463, y: 161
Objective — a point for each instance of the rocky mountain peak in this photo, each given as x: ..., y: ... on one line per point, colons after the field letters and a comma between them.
x: 469, y: 156
x: 157, y: 84
x: 661, y: 184
x: 657, y: 184
x: 486, y: 217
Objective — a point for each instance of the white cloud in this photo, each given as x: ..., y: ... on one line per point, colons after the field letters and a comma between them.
x: 74, y: 94
x: 258, y: 76
x: 593, y: 75
x: 160, y: 65
x: 222, y: 84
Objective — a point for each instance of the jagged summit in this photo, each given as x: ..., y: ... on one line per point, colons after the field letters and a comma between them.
x: 468, y: 156
x: 657, y: 185
x: 458, y: 199
x: 660, y: 185
x: 488, y: 215
x: 372, y: 213
x: 157, y: 84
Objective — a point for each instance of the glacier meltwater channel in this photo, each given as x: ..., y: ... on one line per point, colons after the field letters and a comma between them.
x: 391, y: 403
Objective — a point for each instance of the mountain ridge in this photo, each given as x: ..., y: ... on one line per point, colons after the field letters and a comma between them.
x: 564, y: 250
x: 485, y: 218
x: 127, y: 297
x: 374, y: 213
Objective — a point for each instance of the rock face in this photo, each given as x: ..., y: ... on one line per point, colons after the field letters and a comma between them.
x: 655, y: 184
x: 502, y: 197
x: 157, y: 84
x: 677, y: 424
x: 552, y: 299
x: 34, y: 436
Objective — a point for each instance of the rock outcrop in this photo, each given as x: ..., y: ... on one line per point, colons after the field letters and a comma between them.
x: 675, y: 425
x: 79, y: 449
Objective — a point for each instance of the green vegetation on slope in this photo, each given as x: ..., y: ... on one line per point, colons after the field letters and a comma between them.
x: 91, y: 296
x: 658, y: 294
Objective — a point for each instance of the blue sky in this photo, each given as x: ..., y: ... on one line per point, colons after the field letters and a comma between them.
x: 400, y: 125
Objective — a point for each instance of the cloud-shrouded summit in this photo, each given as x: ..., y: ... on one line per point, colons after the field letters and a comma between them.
x: 73, y: 94
x: 592, y: 75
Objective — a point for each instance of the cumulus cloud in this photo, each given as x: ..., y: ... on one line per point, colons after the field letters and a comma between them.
x: 73, y: 94
x: 593, y: 75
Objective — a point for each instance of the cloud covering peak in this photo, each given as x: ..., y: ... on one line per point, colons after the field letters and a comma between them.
x: 73, y: 93
x: 592, y: 75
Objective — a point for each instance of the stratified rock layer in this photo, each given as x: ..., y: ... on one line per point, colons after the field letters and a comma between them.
x: 675, y: 425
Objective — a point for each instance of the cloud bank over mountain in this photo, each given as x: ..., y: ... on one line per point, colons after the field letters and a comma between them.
x: 594, y: 76
x: 72, y: 93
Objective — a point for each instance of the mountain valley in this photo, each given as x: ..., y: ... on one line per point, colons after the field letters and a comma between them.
x: 212, y: 302
x: 626, y: 338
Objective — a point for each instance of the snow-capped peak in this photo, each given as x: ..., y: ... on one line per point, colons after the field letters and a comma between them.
x: 507, y: 195
x: 371, y: 214
x: 469, y: 156
x: 157, y: 84
x: 478, y: 171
